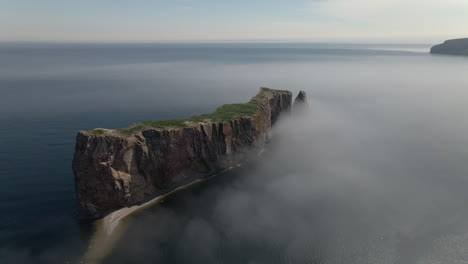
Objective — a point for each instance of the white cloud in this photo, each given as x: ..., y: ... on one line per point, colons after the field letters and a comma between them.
x: 393, y: 18
x: 361, y: 9
x: 427, y: 21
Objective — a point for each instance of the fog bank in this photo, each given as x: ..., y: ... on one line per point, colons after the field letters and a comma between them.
x: 357, y: 179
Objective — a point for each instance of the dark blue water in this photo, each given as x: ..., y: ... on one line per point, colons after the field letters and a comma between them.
x: 409, y: 107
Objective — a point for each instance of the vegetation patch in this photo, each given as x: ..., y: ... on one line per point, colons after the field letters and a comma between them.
x: 221, y: 114
x: 229, y: 111
x: 96, y: 132
x: 273, y: 90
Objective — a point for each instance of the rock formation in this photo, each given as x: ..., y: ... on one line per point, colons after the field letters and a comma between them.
x: 301, y: 102
x: 452, y: 47
x: 116, y: 168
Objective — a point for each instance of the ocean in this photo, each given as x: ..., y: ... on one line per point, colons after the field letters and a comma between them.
x: 375, y: 173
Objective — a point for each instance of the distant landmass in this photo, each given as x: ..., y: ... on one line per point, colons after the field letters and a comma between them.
x: 452, y: 47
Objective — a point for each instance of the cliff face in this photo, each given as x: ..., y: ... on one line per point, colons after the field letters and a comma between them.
x: 452, y: 47
x: 114, y: 170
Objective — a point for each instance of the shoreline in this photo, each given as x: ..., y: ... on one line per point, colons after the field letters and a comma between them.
x: 111, y: 221
x: 109, y: 229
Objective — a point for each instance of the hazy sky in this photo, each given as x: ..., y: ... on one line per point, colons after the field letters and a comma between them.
x: 422, y: 21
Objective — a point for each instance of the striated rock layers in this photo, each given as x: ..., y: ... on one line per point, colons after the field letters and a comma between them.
x: 124, y: 167
x: 452, y: 47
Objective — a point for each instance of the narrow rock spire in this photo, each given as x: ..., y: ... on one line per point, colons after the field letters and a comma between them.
x: 301, y: 103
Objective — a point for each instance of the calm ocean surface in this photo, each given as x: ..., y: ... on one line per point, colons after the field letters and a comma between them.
x: 376, y: 173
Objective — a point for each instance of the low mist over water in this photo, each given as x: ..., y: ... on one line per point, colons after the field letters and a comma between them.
x: 375, y: 172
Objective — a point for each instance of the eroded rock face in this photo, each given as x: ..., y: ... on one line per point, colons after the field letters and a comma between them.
x: 113, y: 171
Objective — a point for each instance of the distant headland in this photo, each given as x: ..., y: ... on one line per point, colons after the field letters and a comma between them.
x: 452, y: 47
x: 118, y: 168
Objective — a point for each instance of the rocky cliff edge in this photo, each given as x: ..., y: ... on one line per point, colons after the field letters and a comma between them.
x: 116, y: 168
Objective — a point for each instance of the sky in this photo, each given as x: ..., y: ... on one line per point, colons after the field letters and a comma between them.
x: 410, y: 21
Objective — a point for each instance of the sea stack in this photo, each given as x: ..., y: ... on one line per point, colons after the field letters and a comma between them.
x: 116, y: 168
x: 301, y: 102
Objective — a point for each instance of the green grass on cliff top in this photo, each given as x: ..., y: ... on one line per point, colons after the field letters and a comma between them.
x: 221, y: 114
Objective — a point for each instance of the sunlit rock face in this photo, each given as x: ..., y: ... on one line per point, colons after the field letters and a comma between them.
x: 114, y: 170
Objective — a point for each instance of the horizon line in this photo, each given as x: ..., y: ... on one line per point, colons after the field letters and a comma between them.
x: 220, y: 41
